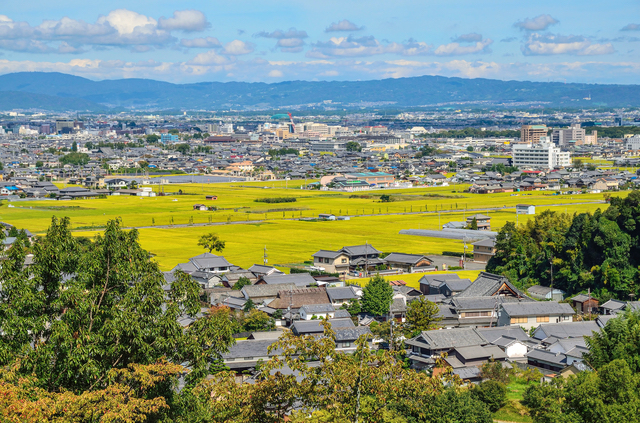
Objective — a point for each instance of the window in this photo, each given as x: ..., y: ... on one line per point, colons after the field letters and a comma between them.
x: 542, y: 319
x: 516, y: 320
x: 346, y: 344
x: 344, y: 260
x: 248, y: 358
x: 476, y: 314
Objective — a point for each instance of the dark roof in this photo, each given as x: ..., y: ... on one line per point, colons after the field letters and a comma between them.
x: 296, y: 298
x: 488, y: 284
x: 360, y: 250
x: 328, y: 254
x: 406, y: 258
x: 537, y: 308
x: 265, y: 290
x: 301, y: 327
x: 341, y: 293
x: 300, y: 280
x: 450, y: 338
x: 566, y: 330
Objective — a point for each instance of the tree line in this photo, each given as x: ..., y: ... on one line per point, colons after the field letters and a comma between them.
x: 597, y: 251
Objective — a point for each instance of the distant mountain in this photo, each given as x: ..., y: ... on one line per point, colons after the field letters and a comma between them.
x: 60, y: 91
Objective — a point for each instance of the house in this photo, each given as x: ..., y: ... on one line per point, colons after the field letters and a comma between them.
x: 200, y: 207
x: 245, y: 355
x: 483, y: 221
x: 317, y: 311
x: 448, y: 284
x: 264, y: 270
x: 332, y: 261
x: 326, y: 216
x: 540, y: 292
x: 483, y: 250
x: 489, y: 285
x: 260, y: 293
x: 531, y: 314
x: 229, y: 279
x: 585, y: 304
x: 346, y: 332
x: 409, y: 263
x: 613, y: 307
x: 565, y: 330
x: 116, y: 183
x: 292, y: 298
x: 301, y: 280
x: 513, y: 340
x: 342, y: 295
x: 525, y: 209
x: 205, y: 262
x: 429, y: 345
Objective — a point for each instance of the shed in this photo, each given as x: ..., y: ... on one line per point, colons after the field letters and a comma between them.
x: 546, y: 293
x: 585, y: 303
x: 326, y: 216
x: 212, y: 197
x: 525, y: 209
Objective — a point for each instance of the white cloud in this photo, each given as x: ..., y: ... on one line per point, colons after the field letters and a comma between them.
x: 237, y: 47
x: 209, y: 58
x: 343, y: 25
x: 544, y: 45
x: 127, y: 22
x: 206, y: 42
x: 291, y: 41
x: 275, y: 74
x: 539, y: 23
x: 468, y: 38
x: 184, y: 20
x: 631, y: 27
x: 456, y: 49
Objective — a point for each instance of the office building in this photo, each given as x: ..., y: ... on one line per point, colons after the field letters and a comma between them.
x: 64, y: 126
x: 169, y: 138
x: 542, y: 156
x: 574, y: 135
x: 532, y: 133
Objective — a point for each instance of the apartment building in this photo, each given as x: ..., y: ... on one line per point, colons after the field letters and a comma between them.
x: 532, y: 133
x: 574, y: 135
x: 544, y: 155
x: 632, y: 143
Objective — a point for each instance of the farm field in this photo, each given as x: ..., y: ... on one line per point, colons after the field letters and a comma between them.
x: 169, y: 227
x: 236, y: 203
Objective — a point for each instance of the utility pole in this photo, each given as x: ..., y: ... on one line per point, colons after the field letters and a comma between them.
x: 264, y: 256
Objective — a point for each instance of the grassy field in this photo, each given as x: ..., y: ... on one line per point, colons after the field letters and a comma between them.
x: 287, y: 240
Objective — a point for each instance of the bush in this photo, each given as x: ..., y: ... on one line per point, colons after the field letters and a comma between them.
x: 492, y: 393
x: 276, y: 200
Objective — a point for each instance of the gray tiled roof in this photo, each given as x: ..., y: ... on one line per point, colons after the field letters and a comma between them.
x: 327, y: 254
x: 250, y: 348
x: 317, y: 308
x: 566, y: 330
x: 351, y: 334
x: 208, y: 260
x: 492, y: 334
x: 266, y: 290
x: 537, y: 308
x: 451, y: 338
x: 341, y: 293
x: 405, y: 258
x: 360, y: 250
x: 488, y: 284
x: 314, y: 326
x: 301, y: 280
x: 550, y: 357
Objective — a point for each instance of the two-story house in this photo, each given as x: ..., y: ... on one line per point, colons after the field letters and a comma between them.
x: 532, y: 314
x: 483, y: 250
x: 483, y: 221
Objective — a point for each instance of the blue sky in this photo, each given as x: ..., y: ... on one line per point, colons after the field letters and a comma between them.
x: 268, y: 41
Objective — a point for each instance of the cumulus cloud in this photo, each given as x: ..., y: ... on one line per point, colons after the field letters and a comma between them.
x: 468, y: 38
x: 184, y: 20
x: 539, y: 23
x: 631, y: 27
x: 205, y: 42
x: 291, y: 41
x: 209, y: 58
x: 343, y: 25
x: 275, y: 74
x: 544, y: 45
x: 237, y: 48
x: 457, y: 49
x: 120, y: 27
x: 366, y: 46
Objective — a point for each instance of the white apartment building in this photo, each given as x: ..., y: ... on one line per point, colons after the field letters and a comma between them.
x: 632, y: 143
x: 544, y: 155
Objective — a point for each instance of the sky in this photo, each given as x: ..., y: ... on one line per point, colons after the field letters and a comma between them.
x: 588, y: 41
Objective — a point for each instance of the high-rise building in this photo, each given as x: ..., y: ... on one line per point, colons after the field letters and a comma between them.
x: 617, y: 121
x: 573, y: 135
x: 543, y: 156
x: 532, y: 133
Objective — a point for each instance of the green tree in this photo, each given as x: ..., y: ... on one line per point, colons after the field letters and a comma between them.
x: 248, y: 306
x: 578, y: 164
x: 353, y: 146
x: 39, y: 164
x: 183, y: 148
x: 256, y: 320
x: 385, y: 198
x: 377, y: 296
x: 211, y: 242
x: 422, y: 315
x: 74, y: 147
x: 76, y: 159
x: 152, y: 138
x: 469, y: 148
x: 71, y: 333
x: 492, y: 393
x: 242, y: 281
x: 473, y: 225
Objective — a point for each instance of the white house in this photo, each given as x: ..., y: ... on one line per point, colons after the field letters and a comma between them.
x: 317, y: 311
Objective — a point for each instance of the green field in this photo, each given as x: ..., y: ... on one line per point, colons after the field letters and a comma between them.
x: 288, y: 240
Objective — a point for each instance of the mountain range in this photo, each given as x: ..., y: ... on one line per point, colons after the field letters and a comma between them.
x: 57, y: 91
